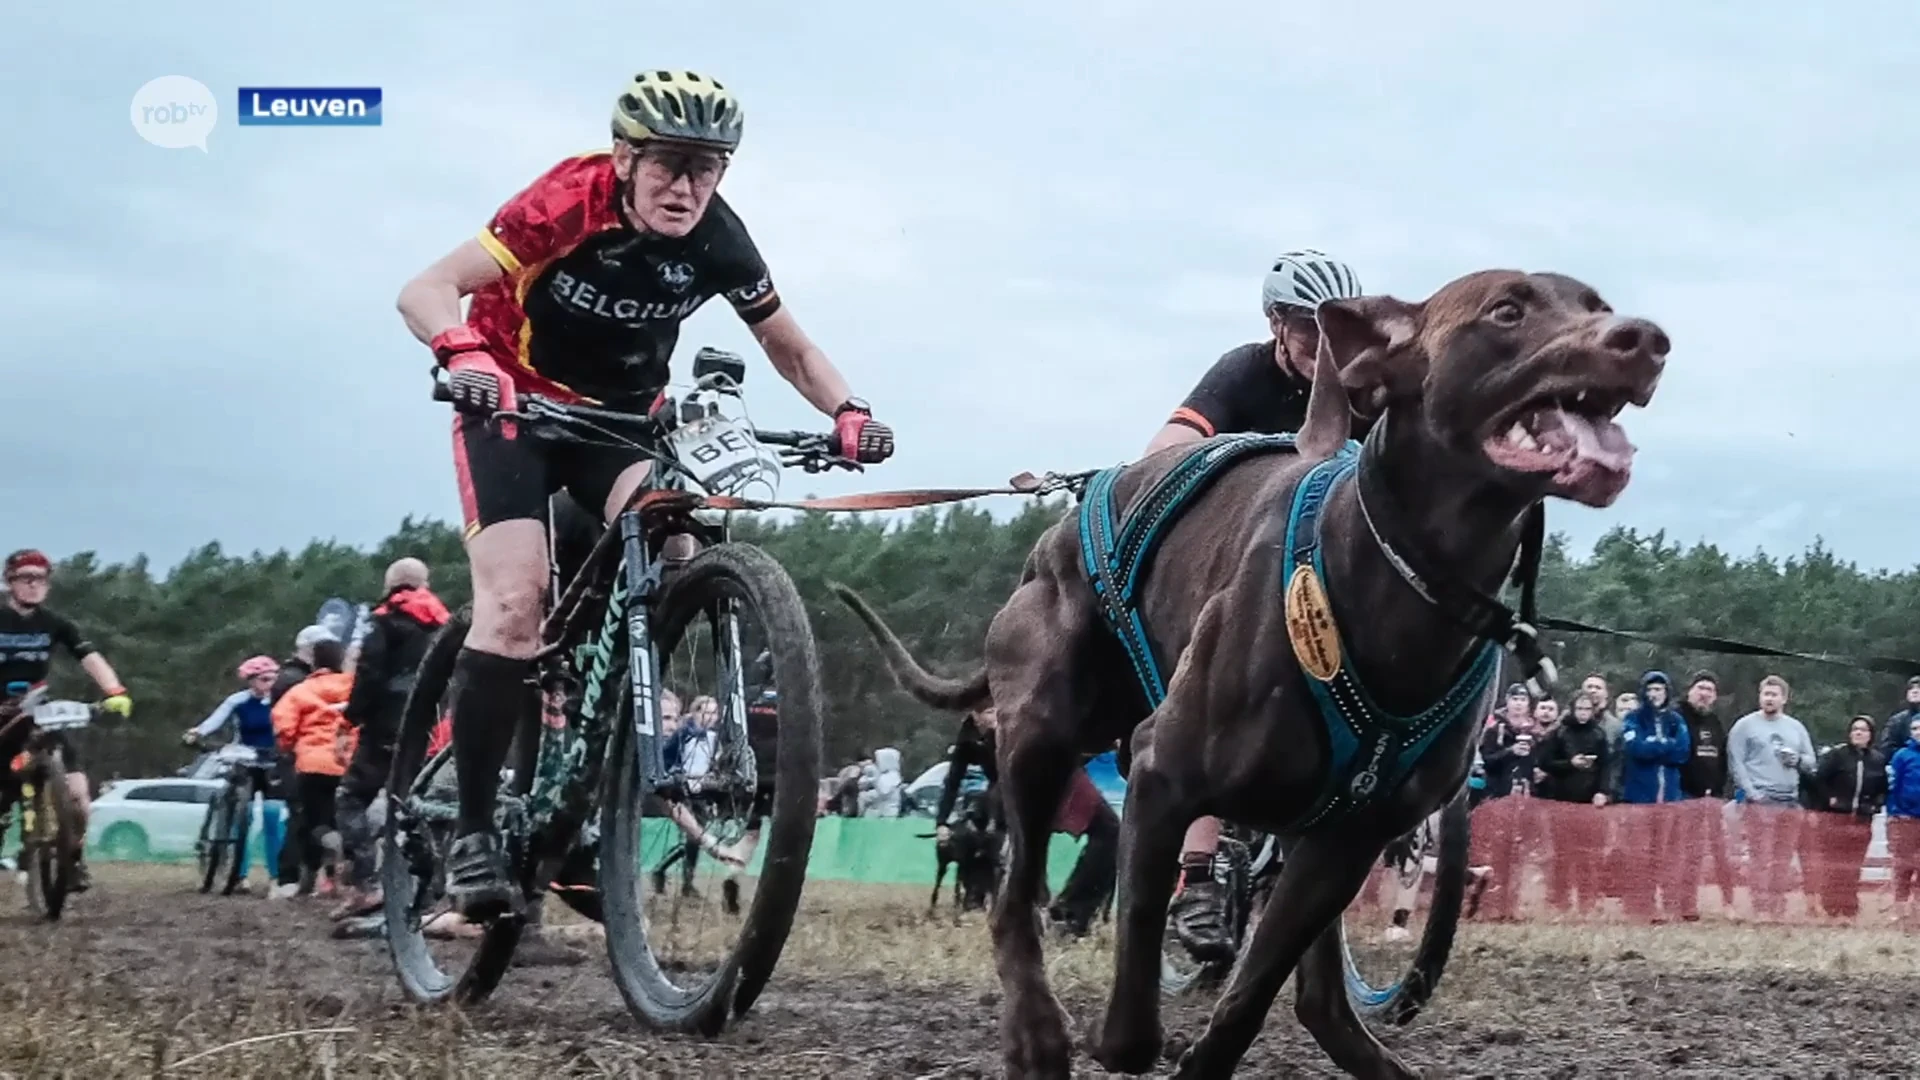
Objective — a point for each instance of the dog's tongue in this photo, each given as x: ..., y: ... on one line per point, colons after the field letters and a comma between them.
x: 1593, y: 440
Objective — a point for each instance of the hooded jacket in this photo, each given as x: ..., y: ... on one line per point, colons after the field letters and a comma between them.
x: 398, y: 634
x: 1903, y: 781
x: 880, y: 794
x: 1852, y: 780
x: 1655, y: 743
x: 307, y: 722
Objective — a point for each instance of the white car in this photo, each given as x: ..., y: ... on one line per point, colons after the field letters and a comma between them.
x: 150, y: 819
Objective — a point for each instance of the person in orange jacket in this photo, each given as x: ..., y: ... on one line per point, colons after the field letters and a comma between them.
x: 307, y: 723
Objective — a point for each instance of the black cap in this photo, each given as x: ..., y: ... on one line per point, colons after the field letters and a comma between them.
x: 1915, y: 681
x: 1518, y: 690
x: 1703, y: 675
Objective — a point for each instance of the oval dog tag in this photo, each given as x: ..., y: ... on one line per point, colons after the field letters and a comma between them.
x: 1316, y: 643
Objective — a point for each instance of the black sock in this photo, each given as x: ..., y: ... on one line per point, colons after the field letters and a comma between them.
x: 1196, y: 867
x: 489, y: 701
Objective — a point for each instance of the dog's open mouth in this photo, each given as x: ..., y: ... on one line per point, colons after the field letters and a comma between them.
x: 1573, y: 437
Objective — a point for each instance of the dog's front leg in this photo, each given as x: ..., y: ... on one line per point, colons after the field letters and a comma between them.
x: 1322, y: 875
x: 1129, y: 1038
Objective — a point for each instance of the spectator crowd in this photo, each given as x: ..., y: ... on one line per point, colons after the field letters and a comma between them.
x: 1649, y: 797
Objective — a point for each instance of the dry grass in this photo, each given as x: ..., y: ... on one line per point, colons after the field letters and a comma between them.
x: 146, y: 975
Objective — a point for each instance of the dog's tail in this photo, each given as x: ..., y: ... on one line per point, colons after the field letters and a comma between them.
x: 953, y: 695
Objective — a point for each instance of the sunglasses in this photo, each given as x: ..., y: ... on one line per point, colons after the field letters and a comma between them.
x: 700, y: 167
x: 28, y: 579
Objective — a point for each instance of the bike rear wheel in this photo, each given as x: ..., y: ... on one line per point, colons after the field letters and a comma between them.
x: 1393, y: 961
x: 691, y: 967
x: 422, y: 801
x: 56, y: 843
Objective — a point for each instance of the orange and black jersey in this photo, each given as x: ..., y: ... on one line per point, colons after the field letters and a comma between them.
x: 1246, y: 391
x: 592, y: 306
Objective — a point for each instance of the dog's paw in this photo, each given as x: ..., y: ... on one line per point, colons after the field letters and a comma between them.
x: 1034, y: 1042
x: 1131, y: 1050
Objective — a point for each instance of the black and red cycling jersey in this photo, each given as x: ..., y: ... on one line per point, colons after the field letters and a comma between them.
x: 27, y: 642
x: 1246, y: 391
x: 591, y: 307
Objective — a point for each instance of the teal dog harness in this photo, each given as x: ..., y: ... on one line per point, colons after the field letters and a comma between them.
x: 1372, y: 750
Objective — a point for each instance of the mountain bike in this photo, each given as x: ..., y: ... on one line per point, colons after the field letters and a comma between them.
x: 586, y: 779
x: 220, y: 847
x: 1393, y: 965
x: 51, y: 836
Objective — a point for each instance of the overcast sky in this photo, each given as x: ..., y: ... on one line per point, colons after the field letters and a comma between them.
x: 1022, y: 230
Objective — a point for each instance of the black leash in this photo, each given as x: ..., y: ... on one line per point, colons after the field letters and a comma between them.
x: 1885, y: 665
x: 1519, y: 632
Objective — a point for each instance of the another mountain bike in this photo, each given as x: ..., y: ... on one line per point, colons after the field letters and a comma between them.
x: 586, y: 776
x: 1396, y: 935
x: 51, y: 836
x: 220, y: 847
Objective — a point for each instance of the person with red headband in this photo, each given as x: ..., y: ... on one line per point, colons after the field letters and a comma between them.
x: 29, y: 633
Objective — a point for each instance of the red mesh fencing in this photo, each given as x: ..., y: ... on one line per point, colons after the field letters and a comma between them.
x: 1539, y: 860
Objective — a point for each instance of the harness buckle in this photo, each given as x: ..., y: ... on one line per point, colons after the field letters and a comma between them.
x: 1524, y: 644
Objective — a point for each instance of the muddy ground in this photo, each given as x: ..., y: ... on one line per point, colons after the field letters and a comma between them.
x: 145, y: 973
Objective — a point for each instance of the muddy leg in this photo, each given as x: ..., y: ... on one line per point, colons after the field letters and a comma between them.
x: 1129, y: 1038
x: 1322, y: 875
x: 1322, y: 1005
x: 1033, y: 776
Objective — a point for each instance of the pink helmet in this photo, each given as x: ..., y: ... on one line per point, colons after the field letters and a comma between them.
x: 259, y: 665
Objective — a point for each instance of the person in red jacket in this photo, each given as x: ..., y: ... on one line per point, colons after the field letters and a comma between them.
x: 402, y: 626
x: 307, y: 723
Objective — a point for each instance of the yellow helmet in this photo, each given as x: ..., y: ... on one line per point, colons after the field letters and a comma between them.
x: 679, y: 105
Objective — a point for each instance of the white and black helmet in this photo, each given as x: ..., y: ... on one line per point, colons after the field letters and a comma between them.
x: 1306, y: 279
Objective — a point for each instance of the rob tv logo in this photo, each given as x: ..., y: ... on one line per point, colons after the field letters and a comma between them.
x: 282, y: 106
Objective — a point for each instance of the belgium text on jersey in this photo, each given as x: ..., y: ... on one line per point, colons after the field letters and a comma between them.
x: 303, y: 106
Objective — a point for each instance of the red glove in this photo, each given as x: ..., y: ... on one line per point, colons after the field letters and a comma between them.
x: 862, y: 438
x: 476, y: 381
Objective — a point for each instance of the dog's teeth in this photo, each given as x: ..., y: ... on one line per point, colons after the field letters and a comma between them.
x: 1579, y: 397
x: 1517, y: 435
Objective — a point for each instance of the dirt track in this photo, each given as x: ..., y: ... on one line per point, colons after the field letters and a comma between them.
x: 147, y: 972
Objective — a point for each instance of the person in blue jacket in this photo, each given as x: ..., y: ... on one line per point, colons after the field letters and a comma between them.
x: 1656, y: 744
x: 1903, y: 823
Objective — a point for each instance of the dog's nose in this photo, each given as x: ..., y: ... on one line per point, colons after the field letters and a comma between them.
x: 1630, y: 336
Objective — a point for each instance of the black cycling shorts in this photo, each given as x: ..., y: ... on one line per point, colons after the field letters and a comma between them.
x: 503, y: 479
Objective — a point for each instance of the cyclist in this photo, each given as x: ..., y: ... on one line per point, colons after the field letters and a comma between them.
x: 579, y: 285
x: 1261, y: 387
x: 250, y: 711
x: 29, y: 631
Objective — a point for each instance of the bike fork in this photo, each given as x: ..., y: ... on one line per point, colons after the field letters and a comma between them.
x: 643, y: 584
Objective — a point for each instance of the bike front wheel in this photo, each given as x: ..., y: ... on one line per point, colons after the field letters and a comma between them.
x: 55, y: 846
x: 1396, y: 937
x: 733, y: 616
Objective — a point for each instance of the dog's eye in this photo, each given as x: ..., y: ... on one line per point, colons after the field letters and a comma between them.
x: 1507, y: 313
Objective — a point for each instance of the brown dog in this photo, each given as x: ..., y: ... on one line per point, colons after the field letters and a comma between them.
x: 1497, y: 392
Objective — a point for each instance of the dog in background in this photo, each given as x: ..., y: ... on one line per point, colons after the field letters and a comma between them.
x: 971, y: 847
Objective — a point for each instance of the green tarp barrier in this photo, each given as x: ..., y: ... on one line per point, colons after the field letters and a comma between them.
x: 877, y: 851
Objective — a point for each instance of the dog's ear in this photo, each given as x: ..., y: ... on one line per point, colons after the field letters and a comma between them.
x: 1367, y: 357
